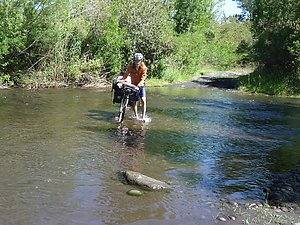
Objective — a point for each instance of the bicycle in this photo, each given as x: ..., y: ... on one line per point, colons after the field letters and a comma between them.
x: 127, y: 90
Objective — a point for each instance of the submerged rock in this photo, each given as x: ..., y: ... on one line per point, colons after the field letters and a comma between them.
x: 142, y: 181
x: 222, y: 218
x: 134, y: 192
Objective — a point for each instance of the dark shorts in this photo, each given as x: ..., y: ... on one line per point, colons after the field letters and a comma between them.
x: 142, y: 93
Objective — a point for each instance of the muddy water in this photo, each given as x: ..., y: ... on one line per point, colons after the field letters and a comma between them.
x: 60, y: 150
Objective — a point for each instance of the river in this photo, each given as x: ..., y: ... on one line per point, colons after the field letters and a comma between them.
x: 61, y: 150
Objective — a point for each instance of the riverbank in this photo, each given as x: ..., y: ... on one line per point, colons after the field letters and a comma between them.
x: 210, y: 79
x: 234, y: 213
x: 221, y: 80
x: 3, y: 87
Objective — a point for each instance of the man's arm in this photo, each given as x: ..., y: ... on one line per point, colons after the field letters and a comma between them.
x: 124, y: 76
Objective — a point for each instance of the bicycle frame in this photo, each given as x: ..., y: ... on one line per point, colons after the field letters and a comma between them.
x: 128, y: 89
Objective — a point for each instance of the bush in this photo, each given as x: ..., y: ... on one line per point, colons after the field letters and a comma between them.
x: 221, y: 46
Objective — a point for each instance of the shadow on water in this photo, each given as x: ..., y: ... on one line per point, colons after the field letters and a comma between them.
x: 225, y: 83
x: 100, y: 115
x: 129, y: 134
x: 284, y: 188
x: 127, y: 139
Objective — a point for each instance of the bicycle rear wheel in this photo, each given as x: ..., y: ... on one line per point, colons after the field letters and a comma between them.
x: 123, y: 107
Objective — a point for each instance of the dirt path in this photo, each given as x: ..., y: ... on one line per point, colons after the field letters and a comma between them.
x: 224, y: 80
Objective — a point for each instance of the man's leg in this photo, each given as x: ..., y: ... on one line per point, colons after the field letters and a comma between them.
x: 134, y: 99
x: 134, y: 108
x: 144, y: 107
x: 143, y: 100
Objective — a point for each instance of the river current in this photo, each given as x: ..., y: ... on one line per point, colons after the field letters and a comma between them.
x: 61, y: 149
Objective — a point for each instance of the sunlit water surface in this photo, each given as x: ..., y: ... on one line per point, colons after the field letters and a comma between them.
x: 61, y: 149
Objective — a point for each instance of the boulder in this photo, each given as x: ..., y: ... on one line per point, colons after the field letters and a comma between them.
x: 142, y: 181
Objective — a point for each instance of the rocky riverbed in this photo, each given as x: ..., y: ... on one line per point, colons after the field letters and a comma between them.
x: 234, y: 213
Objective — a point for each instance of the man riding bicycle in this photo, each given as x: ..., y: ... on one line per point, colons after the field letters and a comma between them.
x: 138, y: 73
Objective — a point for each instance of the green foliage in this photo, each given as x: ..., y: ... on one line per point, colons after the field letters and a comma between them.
x: 72, y: 41
x: 148, y: 29
x: 228, y: 43
x: 219, y: 46
x: 188, y: 51
x: 112, y: 44
x: 276, y: 29
x: 105, y: 37
x: 77, y: 71
x: 275, y: 41
x: 192, y: 14
x: 6, y: 80
x: 277, y: 32
x: 12, y: 35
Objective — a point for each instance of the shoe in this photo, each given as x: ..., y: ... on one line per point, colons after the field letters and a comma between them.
x: 135, y: 116
x: 146, y: 120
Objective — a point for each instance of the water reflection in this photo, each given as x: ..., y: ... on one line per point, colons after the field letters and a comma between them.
x: 130, y: 144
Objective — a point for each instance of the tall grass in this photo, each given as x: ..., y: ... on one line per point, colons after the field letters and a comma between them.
x: 271, y: 83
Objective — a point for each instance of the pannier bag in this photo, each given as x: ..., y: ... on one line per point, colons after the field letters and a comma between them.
x: 117, y: 92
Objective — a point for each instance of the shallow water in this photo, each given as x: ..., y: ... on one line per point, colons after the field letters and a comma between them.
x: 61, y: 149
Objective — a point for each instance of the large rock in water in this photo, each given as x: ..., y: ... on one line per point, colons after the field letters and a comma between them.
x: 144, y: 182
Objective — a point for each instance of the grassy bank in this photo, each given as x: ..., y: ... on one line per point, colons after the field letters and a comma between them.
x: 270, y: 83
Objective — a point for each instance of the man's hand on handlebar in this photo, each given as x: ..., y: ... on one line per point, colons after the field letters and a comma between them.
x: 120, y: 84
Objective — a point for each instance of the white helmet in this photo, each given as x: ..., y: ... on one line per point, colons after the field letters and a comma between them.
x: 138, y: 56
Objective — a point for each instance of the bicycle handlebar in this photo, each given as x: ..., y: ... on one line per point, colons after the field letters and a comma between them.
x: 130, y: 86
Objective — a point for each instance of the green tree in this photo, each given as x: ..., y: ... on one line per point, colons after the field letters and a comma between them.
x: 12, y: 34
x: 190, y: 14
x: 276, y: 30
x: 148, y: 29
x: 68, y: 41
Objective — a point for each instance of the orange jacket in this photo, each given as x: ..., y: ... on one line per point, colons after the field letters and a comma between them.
x: 138, y: 76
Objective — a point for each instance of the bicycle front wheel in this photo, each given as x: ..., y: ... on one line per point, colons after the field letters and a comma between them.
x: 123, y: 107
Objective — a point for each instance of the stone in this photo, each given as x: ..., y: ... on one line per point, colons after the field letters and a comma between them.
x: 134, y: 192
x: 142, y: 181
x: 232, y: 217
x: 221, y: 218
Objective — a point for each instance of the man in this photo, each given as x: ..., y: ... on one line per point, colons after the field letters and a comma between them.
x: 138, y: 73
